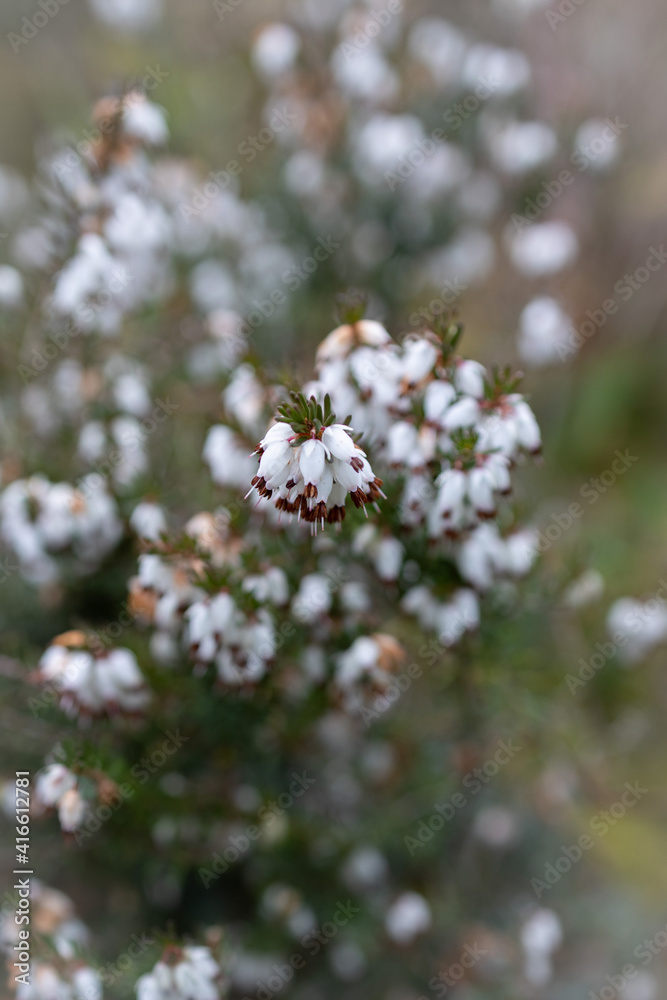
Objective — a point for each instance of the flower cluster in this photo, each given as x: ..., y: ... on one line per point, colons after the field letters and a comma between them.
x: 444, y: 428
x: 379, y: 141
x: 450, y: 619
x: 232, y: 627
x: 311, y: 464
x: 637, y: 627
x: 57, y: 970
x: 241, y: 645
x: 189, y: 973
x: 79, y: 983
x: 369, y: 662
x: 111, y: 234
x: 41, y: 521
x: 57, y: 788
x: 92, y: 683
x: 248, y: 610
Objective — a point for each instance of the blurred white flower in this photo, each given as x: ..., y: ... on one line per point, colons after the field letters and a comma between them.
x: 130, y: 392
x: 40, y: 521
x: 407, y: 918
x: 586, y: 589
x: 71, y: 810
x: 508, y: 69
x: 637, y: 627
x: 56, y: 787
x: 191, y: 973
x: 496, y: 826
x: 107, y: 681
x: 144, y: 120
x: 519, y: 147
x: 52, y: 782
x: 229, y: 461
x: 369, y: 658
x: 545, y: 331
x: 439, y: 46
x: 468, y: 258
x: 11, y: 287
x: 128, y: 15
x: 596, y: 145
x: 275, y: 49
x: 642, y: 986
x: 149, y: 521
x: 364, y: 74
x: 484, y: 556
x: 383, y: 142
x: 541, y: 935
x: 347, y: 961
x: 313, y: 598
x: 543, y: 248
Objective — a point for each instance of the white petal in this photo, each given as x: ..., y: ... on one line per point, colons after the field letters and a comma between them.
x: 339, y: 442
x: 528, y: 428
x: 276, y: 456
x: 452, y: 484
x: 438, y: 397
x: 480, y: 490
x: 469, y: 378
x: 312, y: 458
x: 346, y: 476
x: 279, y: 432
x: 464, y: 413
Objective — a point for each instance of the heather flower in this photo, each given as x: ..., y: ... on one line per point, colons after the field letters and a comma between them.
x: 93, y: 681
x: 52, y: 783
x: 309, y: 464
x: 189, y: 973
x: 57, y: 787
x: 407, y: 918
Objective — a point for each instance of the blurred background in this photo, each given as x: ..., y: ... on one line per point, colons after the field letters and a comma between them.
x: 590, y: 62
x: 603, y: 60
